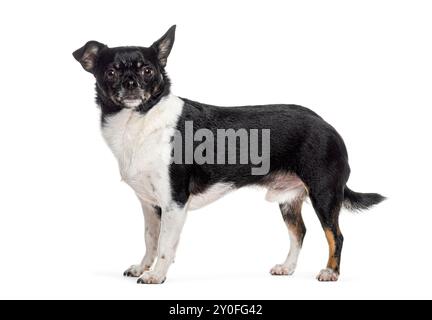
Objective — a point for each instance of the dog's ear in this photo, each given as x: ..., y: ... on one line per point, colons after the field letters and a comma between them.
x: 164, y: 45
x: 88, y: 54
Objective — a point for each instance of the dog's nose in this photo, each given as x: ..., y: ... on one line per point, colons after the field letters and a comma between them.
x: 130, y: 84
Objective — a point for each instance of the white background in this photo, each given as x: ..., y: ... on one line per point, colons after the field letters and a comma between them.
x: 69, y: 228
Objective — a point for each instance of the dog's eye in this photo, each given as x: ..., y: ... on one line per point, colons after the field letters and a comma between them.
x: 111, y: 73
x: 147, y: 71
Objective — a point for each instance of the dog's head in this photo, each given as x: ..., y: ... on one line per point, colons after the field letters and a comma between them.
x: 128, y: 77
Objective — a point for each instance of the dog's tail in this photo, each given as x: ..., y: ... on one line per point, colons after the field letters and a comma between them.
x: 357, y: 201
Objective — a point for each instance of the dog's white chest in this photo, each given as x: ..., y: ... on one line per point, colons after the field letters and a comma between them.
x: 142, y: 145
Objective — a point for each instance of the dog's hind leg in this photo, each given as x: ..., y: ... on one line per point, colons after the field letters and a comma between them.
x: 291, y: 213
x: 327, y: 205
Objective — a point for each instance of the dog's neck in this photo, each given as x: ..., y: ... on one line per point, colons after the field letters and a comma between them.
x: 156, y: 96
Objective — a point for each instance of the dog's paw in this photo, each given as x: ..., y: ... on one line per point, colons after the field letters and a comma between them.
x: 327, y: 275
x: 135, y: 271
x: 282, y: 270
x: 151, y: 277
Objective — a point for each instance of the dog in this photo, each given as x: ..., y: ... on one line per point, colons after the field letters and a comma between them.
x: 143, y: 123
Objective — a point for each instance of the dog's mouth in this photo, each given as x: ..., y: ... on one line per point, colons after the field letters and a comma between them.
x: 130, y: 99
x: 131, y: 102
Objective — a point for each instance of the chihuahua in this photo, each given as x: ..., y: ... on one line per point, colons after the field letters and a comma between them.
x: 179, y: 155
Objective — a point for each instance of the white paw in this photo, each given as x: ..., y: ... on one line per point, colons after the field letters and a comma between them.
x: 151, y: 277
x: 135, y: 271
x: 327, y: 275
x: 282, y: 270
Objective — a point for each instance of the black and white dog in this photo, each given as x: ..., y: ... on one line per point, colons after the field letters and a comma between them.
x: 144, y: 124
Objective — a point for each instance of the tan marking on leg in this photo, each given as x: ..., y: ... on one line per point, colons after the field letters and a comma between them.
x: 333, y: 260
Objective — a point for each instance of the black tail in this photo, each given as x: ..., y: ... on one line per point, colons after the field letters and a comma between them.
x: 360, y: 201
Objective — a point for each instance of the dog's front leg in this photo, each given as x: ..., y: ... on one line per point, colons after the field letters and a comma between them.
x: 152, y: 217
x: 172, y: 221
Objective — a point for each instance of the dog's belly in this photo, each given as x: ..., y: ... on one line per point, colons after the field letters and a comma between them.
x: 281, y: 188
x: 212, y: 194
